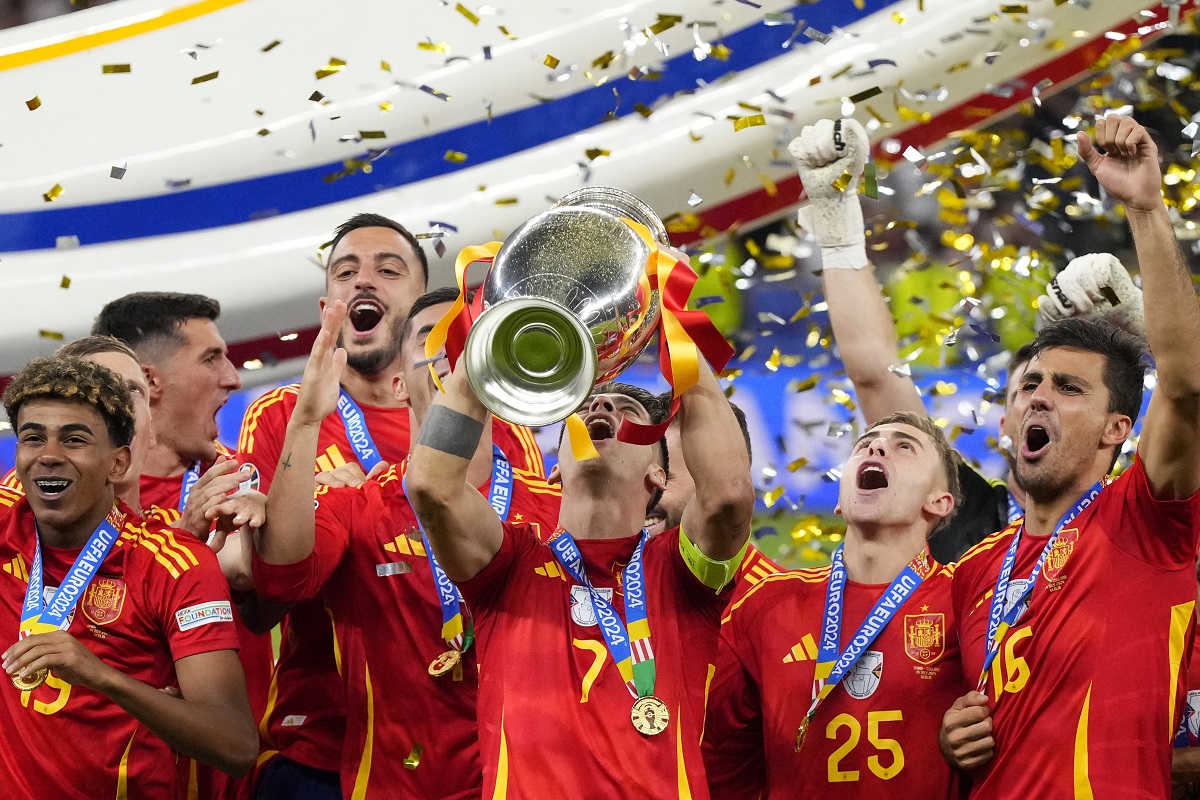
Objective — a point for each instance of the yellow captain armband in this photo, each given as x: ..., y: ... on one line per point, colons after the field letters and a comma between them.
x: 712, y: 573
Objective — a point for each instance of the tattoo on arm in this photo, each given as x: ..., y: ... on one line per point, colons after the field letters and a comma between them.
x: 287, y: 461
x: 450, y: 432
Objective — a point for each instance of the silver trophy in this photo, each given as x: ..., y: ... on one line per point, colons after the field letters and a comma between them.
x: 567, y: 306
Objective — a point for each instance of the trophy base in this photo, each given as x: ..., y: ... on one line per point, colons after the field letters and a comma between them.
x: 530, y: 361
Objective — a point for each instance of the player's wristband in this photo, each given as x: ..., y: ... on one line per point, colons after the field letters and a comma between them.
x: 712, y: 573
x: 851, y: 256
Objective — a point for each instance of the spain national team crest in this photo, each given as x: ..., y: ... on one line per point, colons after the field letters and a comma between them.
x: 581, y: 604
x: 103, y: 600
x: 864, y: 678
x: 924, y: 639
x: 1056, y: 559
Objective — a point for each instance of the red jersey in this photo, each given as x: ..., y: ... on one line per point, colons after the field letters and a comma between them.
x: 305, y: 718
x: 1087, y: 689
x: 158, y: 597
x: 875, y: 735
x: 160, y: 499
x: 554, y: 711
x: 755, y: 566
x: 408, y: 734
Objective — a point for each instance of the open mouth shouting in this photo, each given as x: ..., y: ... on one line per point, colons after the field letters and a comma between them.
x: 601, y: 427
x: 1035, y: 442
x: 51, y: 488
x: 366, y: 314
x: 871, y: 476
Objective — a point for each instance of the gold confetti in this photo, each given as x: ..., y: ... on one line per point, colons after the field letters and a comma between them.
x: 334, y: 66
x: 507, y: 201
x: 455, y: 157
x: 468, y: 13
x: 55, y: 335
x: 55, y: 192
x: 34, y: 104
x: 643, y: 109
x: 436, y: 47
x: 603, y: 60
x: 665, y: 22
x: 899, y: 18
x: 768, y: 184
x: 772, y: 497
x: 720, y: 52
x: 944, y: 388
x: 751, y: 121
x: 773, y: 362
x: 372, y: 134
x: 385, y: 66
x: 799, y: 463
x: 1020, y: 8
x: 385, y: 107
x: 316, y: 97
x: 593, y: 153
x: 115, y: 69
x: 842, y: 181
x: 550, y: 61
x: 747, y: 354
x: 730, y: 175
x: 504, y: 30
x: 264, y: 131
x: 206, y: 78
x: 414, y: 757
x: 65, y: 283
x: 866, y: 94
x: 271, y: 46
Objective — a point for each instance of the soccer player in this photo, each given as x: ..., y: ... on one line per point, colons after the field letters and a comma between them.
x: 866, y: 335
x: 410, y: 680
x: 106, y: 610
x: 830, y: 682
x: 1077, y: 622
x: 186, y: 471
x: 668, y: 511
x: 378, y: 269
x: 595, y: 645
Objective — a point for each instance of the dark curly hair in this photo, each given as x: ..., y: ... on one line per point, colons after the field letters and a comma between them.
x: 74, y: 380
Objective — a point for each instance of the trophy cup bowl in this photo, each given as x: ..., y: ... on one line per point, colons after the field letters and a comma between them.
x: 567, y: 306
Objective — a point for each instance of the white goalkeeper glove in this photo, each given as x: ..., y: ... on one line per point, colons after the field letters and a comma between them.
x: 1087, y: 287
x: 825, y: 154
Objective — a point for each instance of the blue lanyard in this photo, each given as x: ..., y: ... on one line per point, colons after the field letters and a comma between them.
x: 356, y: 432
x: 832, y: 667
x: 634, y: 659
x: 1000, y: 619
x: 40, y: 617
x: 1015, y: 512
x: 189, y: 480
x: 456, y: 634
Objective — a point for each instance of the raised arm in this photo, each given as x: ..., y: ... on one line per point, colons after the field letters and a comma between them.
x: 1170, y: 443
x: 826, y: 153
x: 465, y: 532
x: 290, y: 530
x: 717, y: 519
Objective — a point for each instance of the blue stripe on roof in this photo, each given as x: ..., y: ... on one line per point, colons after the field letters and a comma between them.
x: 421, y: 159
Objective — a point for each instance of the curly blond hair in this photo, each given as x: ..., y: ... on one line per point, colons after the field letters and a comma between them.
x: 74, y: 380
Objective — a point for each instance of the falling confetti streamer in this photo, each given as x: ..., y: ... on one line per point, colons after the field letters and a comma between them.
x: 468, y: 13
x: 55, y: 192
x: 211, y: 76
x: 115, y: 69
x: 55, y: 335
x: 65, y: 283
x: 34, y: 104
x: 332, y: 67
x: 117, y: 173
x: 751, y: 121
x: 271, y: 46
x: 455, y: 157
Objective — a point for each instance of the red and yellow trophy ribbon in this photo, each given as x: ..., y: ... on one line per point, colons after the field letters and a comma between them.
x: 683, y: 336
x: 451, y: 330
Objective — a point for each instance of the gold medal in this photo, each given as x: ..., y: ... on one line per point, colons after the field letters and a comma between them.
x: 444, y: 663
x: 801, y: 733
x: 31, y: 683
x: 650, y: 715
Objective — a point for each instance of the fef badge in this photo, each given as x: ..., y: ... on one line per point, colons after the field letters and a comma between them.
x: 103, y: 600
x: 924, y: 641
x: 1056, y: 559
